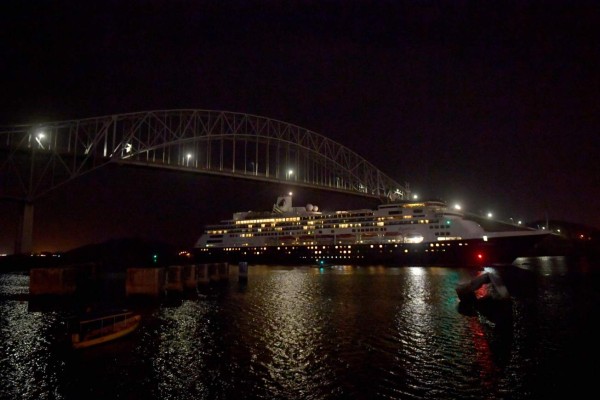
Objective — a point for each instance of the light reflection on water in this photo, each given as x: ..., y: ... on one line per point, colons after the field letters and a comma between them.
x: 27, y: 368
x: 320, y: 333
x: 178, y: 348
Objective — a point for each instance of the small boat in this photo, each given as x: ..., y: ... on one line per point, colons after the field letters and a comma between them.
x: 494, y: 284
x: 98, y: 330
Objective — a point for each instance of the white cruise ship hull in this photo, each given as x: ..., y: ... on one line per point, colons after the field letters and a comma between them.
x: 469, y: 252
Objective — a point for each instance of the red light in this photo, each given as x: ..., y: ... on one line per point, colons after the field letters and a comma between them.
x: 480, y: 256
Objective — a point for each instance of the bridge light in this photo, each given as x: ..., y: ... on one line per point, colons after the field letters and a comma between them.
x: 290, y: 193
x: 128, y: 148
x: 189, y: 156
x: 490, y: 215
x: 38, y: 138
x: 415, y: 196
x: 457, y: 207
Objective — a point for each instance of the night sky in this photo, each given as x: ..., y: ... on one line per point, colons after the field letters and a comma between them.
x: 495, y: 105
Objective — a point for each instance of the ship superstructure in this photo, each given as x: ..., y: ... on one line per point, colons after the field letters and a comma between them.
x: 403, y: 231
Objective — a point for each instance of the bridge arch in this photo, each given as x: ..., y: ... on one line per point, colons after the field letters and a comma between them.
x: 36, y: 158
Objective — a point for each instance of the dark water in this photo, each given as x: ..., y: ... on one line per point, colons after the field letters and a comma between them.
x: 333, y: 333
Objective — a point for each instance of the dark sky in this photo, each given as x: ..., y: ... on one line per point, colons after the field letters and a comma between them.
x: 495, y: 105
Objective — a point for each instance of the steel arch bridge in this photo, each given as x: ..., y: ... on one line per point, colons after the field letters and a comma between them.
x: 37, y: 158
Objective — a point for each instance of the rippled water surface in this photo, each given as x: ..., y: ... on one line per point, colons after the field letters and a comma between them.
x: 323, y: 333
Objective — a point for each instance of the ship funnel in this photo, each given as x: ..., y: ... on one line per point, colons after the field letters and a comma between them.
x: 284, y: 204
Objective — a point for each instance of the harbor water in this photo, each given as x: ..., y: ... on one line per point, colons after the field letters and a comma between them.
x: 337, y: 332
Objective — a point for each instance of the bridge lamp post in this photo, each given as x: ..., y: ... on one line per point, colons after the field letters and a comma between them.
x: 188, y: 156
x: 290, y: 173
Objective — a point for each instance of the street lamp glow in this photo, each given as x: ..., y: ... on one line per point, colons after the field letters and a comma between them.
x: 519, y: 222
x: 290, y: 193
x: 457, y: 207
x: 189, y: 156
x: 415, y: 196
x: 490, y: 215
x: 41, y: 135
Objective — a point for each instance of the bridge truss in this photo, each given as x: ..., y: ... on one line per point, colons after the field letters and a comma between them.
x: 36, y: 158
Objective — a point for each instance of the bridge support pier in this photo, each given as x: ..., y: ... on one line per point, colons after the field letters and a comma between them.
x: 24, y: 241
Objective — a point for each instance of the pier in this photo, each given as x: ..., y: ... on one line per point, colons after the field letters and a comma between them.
x: 152, y: 282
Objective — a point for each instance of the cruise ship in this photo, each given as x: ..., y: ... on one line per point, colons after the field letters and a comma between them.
x: 402, y: 233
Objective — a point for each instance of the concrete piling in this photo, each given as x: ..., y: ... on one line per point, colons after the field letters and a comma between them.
x: 243, y: 271
x: 213, y: 272
x: 145, y: 281
x: 52, y: 281
x: 189, y: 276
x: 223, y: 271
x: 174, y: 282
x: 202, y: 275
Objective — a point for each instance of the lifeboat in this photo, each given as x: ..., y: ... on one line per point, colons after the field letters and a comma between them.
x: 369, y: 234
